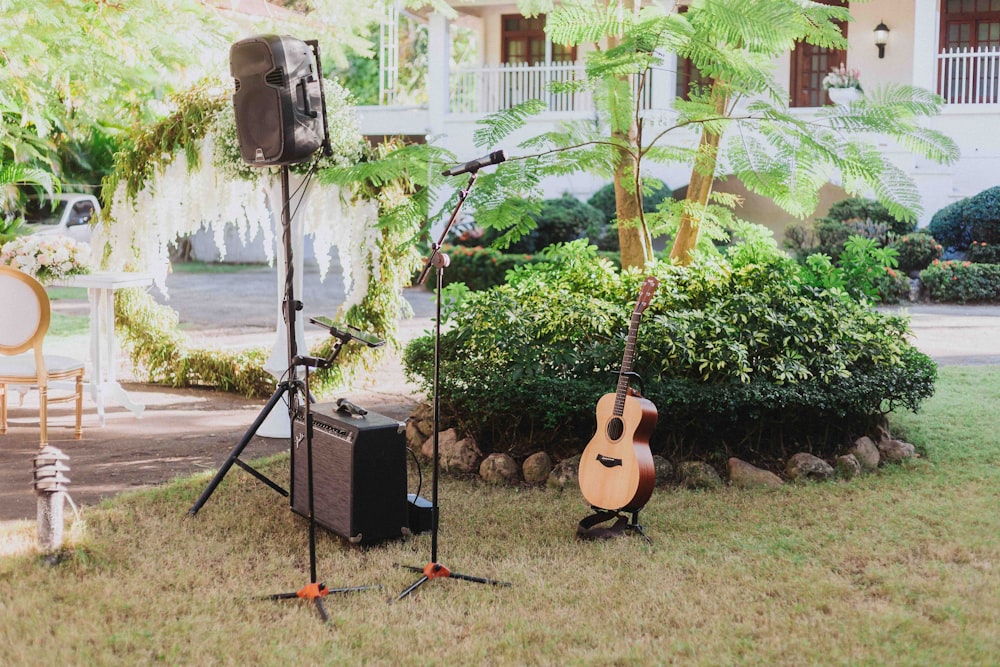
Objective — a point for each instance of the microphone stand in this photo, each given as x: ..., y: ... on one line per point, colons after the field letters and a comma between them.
x: 315, y: 590
x: 439, y: 261
x: 292, y: 386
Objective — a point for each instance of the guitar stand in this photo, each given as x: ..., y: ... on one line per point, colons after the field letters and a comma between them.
x: 588, y: 530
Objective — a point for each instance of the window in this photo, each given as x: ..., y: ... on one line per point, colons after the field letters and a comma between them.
x: 523, y: 41
x: 969, y: 26
x: 810, y: 64
x: 687, y: 74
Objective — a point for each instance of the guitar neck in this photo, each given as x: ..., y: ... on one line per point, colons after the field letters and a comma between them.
x: 623, y: 379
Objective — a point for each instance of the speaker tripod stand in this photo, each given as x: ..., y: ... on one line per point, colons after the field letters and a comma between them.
x: 290, y: 388
x: 248, y: 58
x: 434, y: 569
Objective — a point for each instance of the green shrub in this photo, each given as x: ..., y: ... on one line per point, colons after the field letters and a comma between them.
x: 950, y: 227
x: 850, y: 217
x: 863, y: 272
x: 557, y: 221
x: 861, y: 210
x: 983, y: 212
x: 831, y: 235
x: 893, y: 286
x: 478, y: 268
x: 973, y: 219
x: 604, y: 201
x: 983, y: 253
x: 654, y: 192
x: 916, y: 251
x: 962, y: 282
x: 604, y: 235
x: 741, y: 361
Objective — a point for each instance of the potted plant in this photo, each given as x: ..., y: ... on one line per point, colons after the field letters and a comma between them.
x: 843, y: 85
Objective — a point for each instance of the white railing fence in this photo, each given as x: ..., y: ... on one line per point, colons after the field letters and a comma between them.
x: 967, y: 76
x: 480, y: 90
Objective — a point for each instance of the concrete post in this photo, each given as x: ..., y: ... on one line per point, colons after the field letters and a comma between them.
x: 50, y: 486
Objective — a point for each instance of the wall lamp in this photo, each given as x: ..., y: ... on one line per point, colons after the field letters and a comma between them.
x: 881, y: 38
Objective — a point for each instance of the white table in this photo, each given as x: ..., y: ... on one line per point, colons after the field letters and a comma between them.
x: 101, y: 288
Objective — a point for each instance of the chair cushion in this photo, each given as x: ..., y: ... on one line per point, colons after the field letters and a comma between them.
x: 22, y: 312
x: 55, y: 363
x: 23, y: 365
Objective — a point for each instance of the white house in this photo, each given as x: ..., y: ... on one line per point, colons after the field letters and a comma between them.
x: 951, y: 47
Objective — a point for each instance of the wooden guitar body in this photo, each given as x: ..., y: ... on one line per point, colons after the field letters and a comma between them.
x: 616, y: 468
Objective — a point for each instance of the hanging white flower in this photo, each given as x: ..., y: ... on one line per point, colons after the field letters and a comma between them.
x: 221, y: 192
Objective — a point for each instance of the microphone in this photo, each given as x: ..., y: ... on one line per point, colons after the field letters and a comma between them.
x: 496, y: 157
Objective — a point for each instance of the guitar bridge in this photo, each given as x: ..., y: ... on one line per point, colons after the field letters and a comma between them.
x: 607, y: 461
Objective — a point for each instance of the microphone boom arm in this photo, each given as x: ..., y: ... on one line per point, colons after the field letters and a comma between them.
x: 436, y: 248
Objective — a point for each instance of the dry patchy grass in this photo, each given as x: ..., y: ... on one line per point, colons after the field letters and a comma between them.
x: 901, y: 567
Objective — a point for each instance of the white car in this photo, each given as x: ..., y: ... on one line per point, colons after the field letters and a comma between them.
x: 68, y: 214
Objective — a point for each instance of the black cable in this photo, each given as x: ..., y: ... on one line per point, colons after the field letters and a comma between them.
x: 420, y: 473
x: 304, y: 187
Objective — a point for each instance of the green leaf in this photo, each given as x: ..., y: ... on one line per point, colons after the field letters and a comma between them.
x: 497, y: 126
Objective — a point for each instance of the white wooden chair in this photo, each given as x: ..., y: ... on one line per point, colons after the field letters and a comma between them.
x: 24, y: 321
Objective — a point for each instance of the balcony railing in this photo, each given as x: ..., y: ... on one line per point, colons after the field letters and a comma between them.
x: 482, y: 90
x: 967, y: 76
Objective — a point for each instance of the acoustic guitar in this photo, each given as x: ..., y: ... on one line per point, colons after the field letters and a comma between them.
x: 616, y: 469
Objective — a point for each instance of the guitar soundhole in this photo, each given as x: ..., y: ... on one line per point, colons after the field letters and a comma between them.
x: 616, y: 427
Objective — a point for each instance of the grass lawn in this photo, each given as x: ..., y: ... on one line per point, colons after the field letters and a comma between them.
x: 901, y: 568
x: 214, y: 267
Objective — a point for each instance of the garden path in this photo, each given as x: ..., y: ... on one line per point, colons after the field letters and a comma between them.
x: 185, y: 431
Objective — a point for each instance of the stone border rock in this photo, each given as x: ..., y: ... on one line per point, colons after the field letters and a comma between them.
x: 463, y: 455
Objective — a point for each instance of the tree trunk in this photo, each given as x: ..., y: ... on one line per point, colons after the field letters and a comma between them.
x: 699, y: 189
x: 633, y: 236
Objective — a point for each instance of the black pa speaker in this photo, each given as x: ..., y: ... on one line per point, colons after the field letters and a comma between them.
x: 277, y: 100
x: 359, y: 474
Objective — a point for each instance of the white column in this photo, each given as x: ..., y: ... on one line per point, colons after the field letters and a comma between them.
x: 664, y: 84
x: 439, y: 48
x: 925, y: 44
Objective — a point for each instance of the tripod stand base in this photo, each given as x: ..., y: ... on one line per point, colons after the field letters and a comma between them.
x: 234, y: 455
x: 439, y: 571
x: 315, y: 592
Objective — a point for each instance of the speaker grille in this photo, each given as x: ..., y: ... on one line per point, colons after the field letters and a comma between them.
x: 275, y: 77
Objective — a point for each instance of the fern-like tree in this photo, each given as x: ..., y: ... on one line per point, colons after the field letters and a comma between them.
x: 742, y: 115
x: 13, y: 176
x: 74, y: 73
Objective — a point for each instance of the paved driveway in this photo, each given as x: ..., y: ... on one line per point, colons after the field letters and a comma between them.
x: 247, y: 302
x: 955, y: 335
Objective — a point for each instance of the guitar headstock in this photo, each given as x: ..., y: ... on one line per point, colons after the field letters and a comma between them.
x: 646, y: 292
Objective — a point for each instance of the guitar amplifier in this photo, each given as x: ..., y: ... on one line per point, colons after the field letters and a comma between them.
x: 359, y: 473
